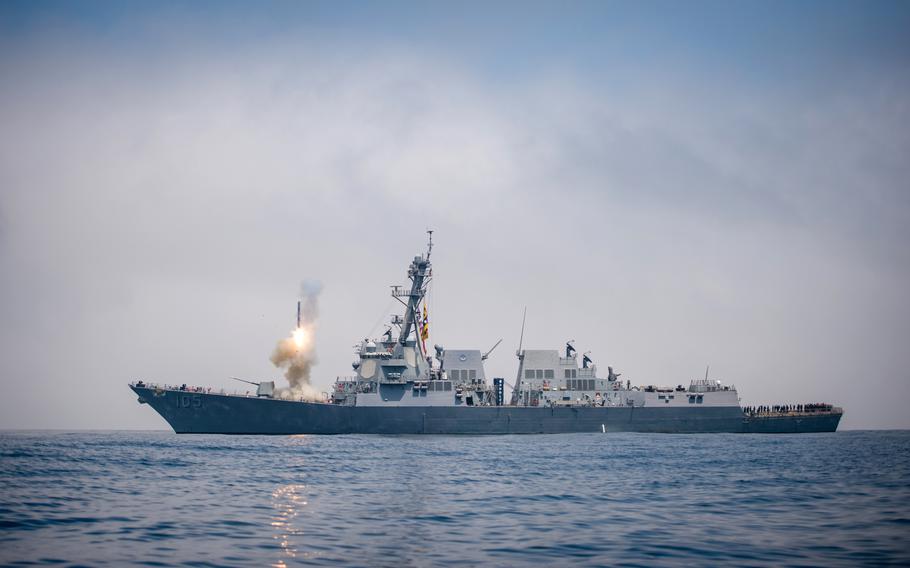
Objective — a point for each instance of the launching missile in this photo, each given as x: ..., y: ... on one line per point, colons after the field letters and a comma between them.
x: 298, y: 314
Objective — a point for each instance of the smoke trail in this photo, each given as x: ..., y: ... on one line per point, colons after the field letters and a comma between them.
x: 297, y: 354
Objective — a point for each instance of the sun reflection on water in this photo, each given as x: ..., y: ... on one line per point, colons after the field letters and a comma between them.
x: 289, y: 502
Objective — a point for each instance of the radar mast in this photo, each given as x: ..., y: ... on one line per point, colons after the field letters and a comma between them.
x: 420, y: 273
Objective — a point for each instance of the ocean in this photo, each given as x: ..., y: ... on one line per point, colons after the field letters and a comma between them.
x: 159, y: 499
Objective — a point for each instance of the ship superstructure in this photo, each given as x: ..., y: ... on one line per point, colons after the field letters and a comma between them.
x: 400, y: 386
x: 545, y: 378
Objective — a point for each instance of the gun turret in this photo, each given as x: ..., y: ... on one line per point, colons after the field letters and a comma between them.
x: 263, y: 388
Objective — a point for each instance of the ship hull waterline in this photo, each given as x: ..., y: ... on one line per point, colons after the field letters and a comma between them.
x: 207, y: 413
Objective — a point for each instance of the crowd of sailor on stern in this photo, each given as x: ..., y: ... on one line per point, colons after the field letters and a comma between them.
x: 788, y: 409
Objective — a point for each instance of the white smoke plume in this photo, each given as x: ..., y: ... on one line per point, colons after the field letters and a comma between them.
x: 296, y: 354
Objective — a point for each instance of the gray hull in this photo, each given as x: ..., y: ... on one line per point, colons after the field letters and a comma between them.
x: 203, y: 413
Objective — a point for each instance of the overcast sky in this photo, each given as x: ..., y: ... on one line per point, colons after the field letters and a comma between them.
x: 670, y: 184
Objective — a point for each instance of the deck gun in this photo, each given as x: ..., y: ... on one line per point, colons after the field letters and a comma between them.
x: 263, y: 388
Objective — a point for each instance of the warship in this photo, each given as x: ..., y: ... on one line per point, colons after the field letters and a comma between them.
x: 400, y: 387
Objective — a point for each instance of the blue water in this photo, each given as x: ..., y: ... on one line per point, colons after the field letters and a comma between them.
x: 158, y: 499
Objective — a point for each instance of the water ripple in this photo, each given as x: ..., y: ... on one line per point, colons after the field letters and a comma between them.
x: 157, y: 499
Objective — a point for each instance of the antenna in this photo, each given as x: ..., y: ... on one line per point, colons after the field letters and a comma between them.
x: 430, y: 243
x: 487, y: 354
x: 706, y: 372
x: 515, y: 389
x: 522, y: 338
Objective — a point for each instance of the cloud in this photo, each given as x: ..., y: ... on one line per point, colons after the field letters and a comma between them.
x: 157, y: 200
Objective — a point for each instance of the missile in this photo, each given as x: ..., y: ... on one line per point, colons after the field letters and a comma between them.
x: 298, y: 314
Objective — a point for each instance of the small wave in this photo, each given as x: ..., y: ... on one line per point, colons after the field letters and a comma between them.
x: 164, y: 500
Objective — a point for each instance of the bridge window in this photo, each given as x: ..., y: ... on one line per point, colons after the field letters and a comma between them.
x: 539, y: 373
x: 473, y: 374
x: 548, y: 374
x: 529, y: 374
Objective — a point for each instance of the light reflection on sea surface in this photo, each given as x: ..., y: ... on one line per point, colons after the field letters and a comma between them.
x: 289, y: 501
x: 115, y: 498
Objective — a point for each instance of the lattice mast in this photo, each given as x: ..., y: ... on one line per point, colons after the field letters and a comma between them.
x: 420, y: 273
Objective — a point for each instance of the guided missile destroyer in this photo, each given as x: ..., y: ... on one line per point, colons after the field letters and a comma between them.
x: 401, y: 388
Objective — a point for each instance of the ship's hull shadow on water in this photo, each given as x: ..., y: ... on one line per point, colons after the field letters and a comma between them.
x: 208, y: 413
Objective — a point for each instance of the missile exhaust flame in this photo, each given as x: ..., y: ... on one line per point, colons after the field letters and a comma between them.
x: 296, y: 354
x: 299, y: 336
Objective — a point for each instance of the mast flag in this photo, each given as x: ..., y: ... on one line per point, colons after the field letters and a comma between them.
x: 425, y: 328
